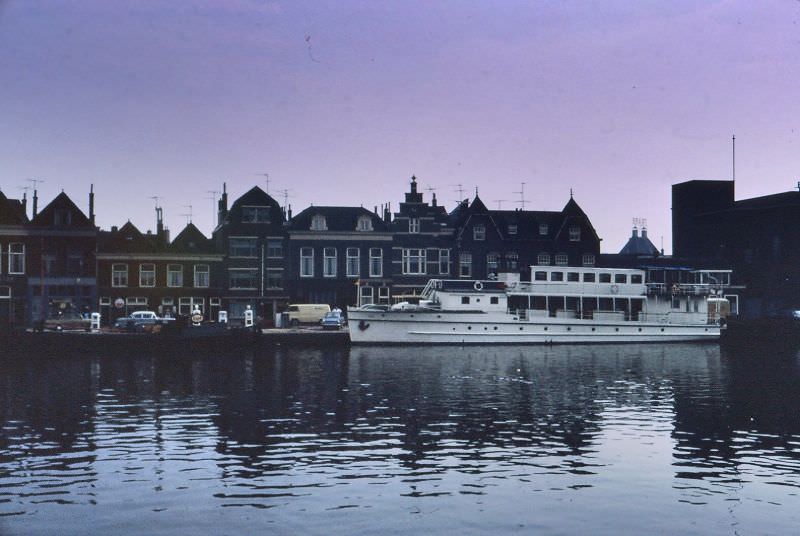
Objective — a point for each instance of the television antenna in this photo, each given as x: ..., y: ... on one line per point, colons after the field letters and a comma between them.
x: 35, y: 182
x: 266, y: 179
x: 286, y: 196
x: 188, y: 215
x: 500, y: 203
x: 155, y: 198
x: 521, y: 193
x: 460, y: 191
x: 213, y: 198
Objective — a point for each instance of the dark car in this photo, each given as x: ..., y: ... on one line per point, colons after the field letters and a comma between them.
x: 333, y: 320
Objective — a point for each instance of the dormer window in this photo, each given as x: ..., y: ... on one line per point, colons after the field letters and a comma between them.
x: 364, y: 223
x: 574, y: 233
x: 512, y: 229
x: 255, y: 214
x: 479, y: 232
x: 318, y: 223
x: 543, y: 229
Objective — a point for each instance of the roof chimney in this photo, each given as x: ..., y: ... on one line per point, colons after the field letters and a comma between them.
x: 91, y: 203
x: 222, y: 206
x: 35, y: 203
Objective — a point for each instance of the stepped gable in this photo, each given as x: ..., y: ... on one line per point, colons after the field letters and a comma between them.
x: 12, y: 211
x: 342, y: 219
x: 192, y: 240
x: 62, y: 212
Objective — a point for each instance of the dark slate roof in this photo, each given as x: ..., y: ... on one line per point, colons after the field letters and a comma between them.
x: 527, y: 222
x: 769, y: 201
x: 639, y: 245
x: 46, y: 217
x: 128, y: 239
x: 342, y: 219
x: 192, y: 240
x: 12, y: 211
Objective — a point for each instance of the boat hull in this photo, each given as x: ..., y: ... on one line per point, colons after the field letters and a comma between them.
x: 400, y: 327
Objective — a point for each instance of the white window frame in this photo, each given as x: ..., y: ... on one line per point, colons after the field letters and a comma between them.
x: 574, y: 233
x: 252, y: 239
x: 319, y: 223
x: 562, y: 259
x: 15, y: 257
x: 239, y: 270
x: 479, y: 232
x: 365, y: 295
x: 465, y: 264
x: 119, y: 276
x: 142, y: 272
x: 172, y: 272
x: 306, y: 262
x: 364, y: 223
x: 544, y: 229
x: 188, y: 304
x: 383, y: 295
x: 271, y: 245
x: 375, y: 261
x: 353, y: 268
x: 413, y: 225
x: 444, y: 261
x: 588, y: 259
x: 543, y: 259
x: 512, y: 229
x: 329, y: 262
x: 410, y: 259
x: 5, y: 292
x: 512, y: 256
x: 197, y: 272
x: 492, y: 260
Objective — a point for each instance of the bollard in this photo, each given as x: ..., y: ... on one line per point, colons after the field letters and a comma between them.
x: 248, y: 317
x: 95, y: 322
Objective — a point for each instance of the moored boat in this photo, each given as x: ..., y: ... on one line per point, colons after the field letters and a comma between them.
x: 558, y: 305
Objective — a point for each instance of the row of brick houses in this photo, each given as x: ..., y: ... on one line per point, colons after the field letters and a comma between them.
x: 262, y: 257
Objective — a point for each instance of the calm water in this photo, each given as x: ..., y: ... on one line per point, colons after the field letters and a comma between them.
x: 559, y: 440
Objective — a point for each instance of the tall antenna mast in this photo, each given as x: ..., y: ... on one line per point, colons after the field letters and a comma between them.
x: 286, y: 196
x: 734, y: 157
x: 155, y: 198
x: 213, y: 198
x: 35, y: 182
x: 189, y: 214
x: 266, y: 175
x: 460, y: 191
x: 521, y: 195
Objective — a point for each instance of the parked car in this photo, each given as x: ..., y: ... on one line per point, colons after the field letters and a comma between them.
x: 68, y: 322
x: 139, y: 319
x: 333, y: 320
x: 307, y: 313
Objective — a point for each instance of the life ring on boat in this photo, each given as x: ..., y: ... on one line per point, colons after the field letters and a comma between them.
x: 614, y: 289
x: 478, y: 286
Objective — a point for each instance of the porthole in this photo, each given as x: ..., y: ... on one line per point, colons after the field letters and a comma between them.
x: 485, y: 328
x: 662, y: 330
x: 520, y: 328
x: 594, y: 329
x: 412, y: 316
x: 616, y: 329
x: 569, y: 329
x: 640, y: 329
x: 438, y: 316
x: 545, y: 328
x: 469, y: 327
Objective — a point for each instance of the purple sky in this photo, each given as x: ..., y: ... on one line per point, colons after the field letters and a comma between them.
x: 341, y: 102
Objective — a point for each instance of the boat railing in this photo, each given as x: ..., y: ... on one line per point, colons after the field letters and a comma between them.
x: 683, y: 289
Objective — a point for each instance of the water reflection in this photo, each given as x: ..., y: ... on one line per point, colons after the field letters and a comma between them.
x: 388, y: 432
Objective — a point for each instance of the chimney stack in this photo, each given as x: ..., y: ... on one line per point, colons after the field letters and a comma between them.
x: 222, y: 205
x: 35, y: 203
x: 91, y: 203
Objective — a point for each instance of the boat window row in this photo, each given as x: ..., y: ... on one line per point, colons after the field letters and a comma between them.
x: 589, y: 277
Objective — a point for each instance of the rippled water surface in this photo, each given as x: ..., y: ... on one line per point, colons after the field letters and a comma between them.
x: 560, y: 440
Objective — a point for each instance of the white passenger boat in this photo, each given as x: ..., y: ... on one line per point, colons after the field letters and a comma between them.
x: 558, y: 305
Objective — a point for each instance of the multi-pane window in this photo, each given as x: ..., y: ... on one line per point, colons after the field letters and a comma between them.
x: 242, y: 247
x: 375, y: 262
x: 465, y: 265
x: 16, y: 258
x: 574, y: 233
x: 274, y: 249
x: 366, y: 295
x: 444, y: 261
x: 306, y: 262
x: 5, y: 293
x: 329, y: 262
x: 318, y: 223
x: 255, y: 214
x: 119, y: 275
x: 512, y: 229
x: 202, y: 276
x: 413, y: 225
x: 543, y: 259
x: 413, y: 261
x: 174, y: 275
x: 187, y: 306
x: 75, y: 264
x: 544, y: 229
x: 479, y: 232
x: 492, y: 263
x: 561, y: 259
x: 383, y: 295
x: 512, y: 261
x: 588, y: 259
x: 243, y: 278
x: 274, y: 278
x: 364, y: 223
x: 353, y: 262
x: 147, y: 275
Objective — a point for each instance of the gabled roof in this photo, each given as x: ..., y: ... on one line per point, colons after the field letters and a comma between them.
x: 128, y: 239
x: 639, y: 245
x: 62, y: 202
x: 192, y: 240
x: 343, y: 219
x: 12, y: 211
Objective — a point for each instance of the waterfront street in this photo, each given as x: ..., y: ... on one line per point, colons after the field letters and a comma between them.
x: 609, y: 439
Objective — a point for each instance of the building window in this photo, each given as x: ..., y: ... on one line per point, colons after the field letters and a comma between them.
x: 174, y: 275
x: 444, y: 261
x: 49, y: 264
x: 479, y: 232
x: 620, y: 278
x: 318, y: 223
x: 147, y: 275
x: 187, y: 306
x: 255, y: 214
x: 383, y: 295
x: 544, y: 229
x: 465, y: 265
x: 74, y: 264
x: 353, y: 262
x: 16, y: 258
x: 274, y: 249
x: 543, y: 259
x: 464, y: 300
x: 246, y: 278
x: 512, y: 229
x: 366, y: 295
x: 202, y: 276
x: 306, y: 262
x: 364, y: 223
x: 636, y: 279
x: 561, y: 259
x: 243, y: 247
x: 588, y: 259
x: 573, y: 277
x: 512, y: 261
x: 5, y: 293
x: 274, y: 278
x: 574, y: 233
x: 329, y: 262
x: 375, y: 262
x: 556, y: 276
x: 413, y: 225
x: 588, y: 277
x: 540, y: 276
x: 413, y: 261
x: 119, y: 275
x: 62, y: 217
x: 492, y: 263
